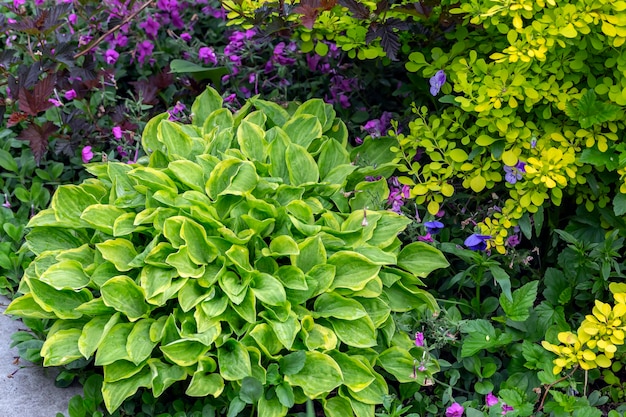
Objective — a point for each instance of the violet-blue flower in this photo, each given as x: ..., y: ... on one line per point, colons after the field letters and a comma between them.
x: 514, y: 174
x: 477, y: 242
x: 437, y: 81
x: 433, y: 227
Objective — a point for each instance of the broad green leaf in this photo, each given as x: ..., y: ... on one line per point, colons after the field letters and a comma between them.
x: 353, y: 270
x: 120, y: 252
x: 356, y: 374
x: 184, y: 352
x: 113, y: 347
x: 369, y: 194
x: 283, y: 245
x: 61, y: 348
x: 41, y: 239
x: 318, y: 108
x: 220, y: 119
x: 316, y: 336
x: 399, y: 363
x: 387, y: 229
x: 69, y: 202
x: 139, y: 346
x: 285, y: 330
x: 189, y: 173
x: 402, y: 298
x: 274, y: 111
x: 233, y: 360
x: 332, y: 155
x: 300, y: 165
x: 203, y: 384
x: 94, y: 332
x: 373, y: 392
x: 331, y: 304
x: 303, y: 129
x: 26, y: 307
x: 518, y: 309
x: 251, y: 390
x: 125, y: 296
x: 119, y: 370
x: 114, y: 393
x: 149, y: 138
x: 124, y: 225
x: 232, y: 176
x: 191, y: 294
x: 246, y: 309
x: 268, y: 289
x: 291, y: 277
x: 102, y: 216
x: 152, y: 179
x: 251, y: 139
x: 481, y: 335
x: 200, y: 251
x: 62, y: 303
x: 320, y: 374
x: 359, y: 333
x: 271, y: 407
x: 65, y: 275
x: 292, y: 363
x: 164, y: 375
x: 205, y: 104
x: 503, y: 279
x: 420, y: 259
x: 266, y: 339
x: 337, y: 407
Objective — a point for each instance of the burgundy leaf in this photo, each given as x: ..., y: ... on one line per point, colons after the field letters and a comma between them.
x: 309, y: 9
x: 359, y: 10
x: 35, y: 101
x: 38, y: 138
x: 15, y: 118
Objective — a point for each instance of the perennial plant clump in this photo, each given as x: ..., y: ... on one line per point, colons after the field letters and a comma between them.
x: 239, y: 258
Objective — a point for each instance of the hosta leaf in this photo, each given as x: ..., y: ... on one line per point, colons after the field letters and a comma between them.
x: 94, y: 332
x: 120, y: 252
x: 125, y: 296
x: 184, y: 352
x: 303, y: 129
x: 420, y: 259
x: 120, y: 370
x: 234, y: 361
x: 320, y: 374
x: 139, y: 346
x: 164, y: 375
x: 41, y: 239
x: 26, y: 306
x: 268, y: 289
x: 189, y: 173
x: 62, y: 303
x: 357, y: 333
x: 300, y: 165
x: 353, y: 270
x: 65, y: 275
x: 69, y: 202
x: 399, y: 363
x: 177, y: 143
x: 61, y: 348
x: 357, y: 375
x: 114, y: 393
x: 337, y: 407
x: 113, y: 347
x: 251, y: 139
x: 205, y: 104
x: 331, y: 304
x: 102, y: 217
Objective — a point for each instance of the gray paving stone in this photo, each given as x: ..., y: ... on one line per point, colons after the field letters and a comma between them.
x: 27, y: 390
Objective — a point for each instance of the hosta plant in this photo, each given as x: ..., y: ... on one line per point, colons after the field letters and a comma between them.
x: 240, y: 259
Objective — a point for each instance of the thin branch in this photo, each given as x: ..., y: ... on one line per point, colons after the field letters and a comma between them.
x: 549, y: 386
x: 113, y: 29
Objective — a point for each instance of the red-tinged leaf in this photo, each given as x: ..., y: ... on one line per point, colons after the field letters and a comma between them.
x: 38, y: 138
x: 16, y: 118
x: 328, y: 4
x: 309, y: 9
x: 35, y: 101
x: 359, y: 10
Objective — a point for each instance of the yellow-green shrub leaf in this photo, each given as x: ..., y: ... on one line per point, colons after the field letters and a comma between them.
x: 421, y: 259
x: 125, y: 296
x: 120, y: 252
x: 61, y: 348
x: 320, y: 374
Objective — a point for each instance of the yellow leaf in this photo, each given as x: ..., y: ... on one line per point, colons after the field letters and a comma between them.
x: 478, y: 183
x: 608, y: 29
x: 517, y: 22
x: 569, y: 31
x: 433, y: 207
x: 603, y: 361
x: 509, y: 158
x: 447, y: 190
x: 458, y: 155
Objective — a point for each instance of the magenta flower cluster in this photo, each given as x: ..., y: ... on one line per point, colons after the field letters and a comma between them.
x: 397, y: 195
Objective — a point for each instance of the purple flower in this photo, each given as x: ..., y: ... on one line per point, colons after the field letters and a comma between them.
x: 477, y: 242
x: 56, y: 102
x: 6, y: 203
x: 144, y: 50
x: 70, y: 94
x: 437, y: 81
x: 18, y: 3
x: 117, y: 132
x: 513, y: 240
x: 278, y: 54
x: 514, y: 174
x: 433, y: 227
x: 72, y: 18
x: 207, y: 55
x: 230, y: 98
x: 426, y: 238
x: 87, y: 154
x: 455, y: 410
x: 185, y: 36
x: 491, y: 400
x: 111, y: 56
x: 151, y: 27
x: 533, y: 142
x: 419, y: 339
x: 506, y: 408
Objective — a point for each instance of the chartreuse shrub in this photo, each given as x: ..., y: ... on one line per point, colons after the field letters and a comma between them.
x: 240, y: 259
x: 535, y: 90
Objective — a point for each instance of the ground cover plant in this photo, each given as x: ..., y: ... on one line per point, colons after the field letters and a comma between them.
x: 509, y: 161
